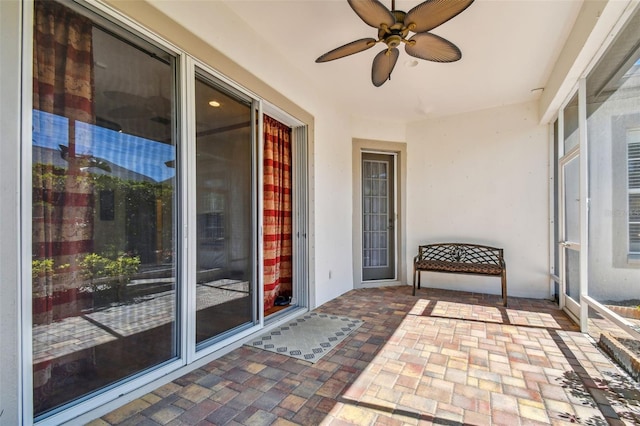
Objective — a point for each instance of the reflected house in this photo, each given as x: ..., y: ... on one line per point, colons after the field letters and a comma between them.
x: 133, y: 179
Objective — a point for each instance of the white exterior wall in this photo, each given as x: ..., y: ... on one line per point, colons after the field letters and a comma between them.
x: 362, y: 128
x: 333, y: 206
x: 482, y: 177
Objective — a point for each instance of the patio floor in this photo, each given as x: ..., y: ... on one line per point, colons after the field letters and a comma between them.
x: 440, y: 358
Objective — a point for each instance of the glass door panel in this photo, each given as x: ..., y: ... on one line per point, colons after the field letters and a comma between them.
x: 104, y: 213
x: 570, y: 244
x: 378, y: 216
x: 572, y: 274
x: 570, y: 128
x: 225, y: 287
x: 572, y: 200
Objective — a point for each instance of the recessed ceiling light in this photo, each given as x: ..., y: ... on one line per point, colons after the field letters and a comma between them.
x: 214, y: 104
x: 410, y: 63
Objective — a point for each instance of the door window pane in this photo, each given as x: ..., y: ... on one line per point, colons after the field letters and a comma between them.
x: 572, y: 200
x: 377, y: 232
x: 572, y: 274
x: 225, y: 206
x: 571, y: 132
x: 104, y: 239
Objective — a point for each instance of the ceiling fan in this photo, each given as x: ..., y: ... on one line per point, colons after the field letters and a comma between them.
x: 394, y: 27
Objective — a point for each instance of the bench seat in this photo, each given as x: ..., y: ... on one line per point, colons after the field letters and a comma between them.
x: 467, y: 268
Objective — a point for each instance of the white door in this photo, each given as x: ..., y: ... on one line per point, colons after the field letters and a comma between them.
x: 569, y: 245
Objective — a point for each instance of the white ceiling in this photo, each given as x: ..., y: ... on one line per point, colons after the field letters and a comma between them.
x: 508, y: 50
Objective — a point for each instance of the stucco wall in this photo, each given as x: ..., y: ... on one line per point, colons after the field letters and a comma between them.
x: 363, y: 128
x: 482, y: 177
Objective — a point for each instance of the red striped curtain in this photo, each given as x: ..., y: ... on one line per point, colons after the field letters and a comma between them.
x: 62, y: 198
x: 62, y: 193
x: 277, y: 211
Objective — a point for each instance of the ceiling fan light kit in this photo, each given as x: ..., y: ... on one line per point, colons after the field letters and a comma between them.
x: 394, y: 27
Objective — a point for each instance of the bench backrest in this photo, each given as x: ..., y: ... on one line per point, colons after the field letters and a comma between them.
x: 461, y: 253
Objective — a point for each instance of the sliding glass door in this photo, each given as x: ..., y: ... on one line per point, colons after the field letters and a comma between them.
x: 104, y: 229
x: 225, y: 210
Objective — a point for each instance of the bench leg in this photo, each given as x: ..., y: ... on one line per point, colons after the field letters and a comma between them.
x: 416, y: 273
x: 504, y: 288
x: 414, y: 279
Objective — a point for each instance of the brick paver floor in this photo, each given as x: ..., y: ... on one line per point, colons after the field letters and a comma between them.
x: 442, y: 358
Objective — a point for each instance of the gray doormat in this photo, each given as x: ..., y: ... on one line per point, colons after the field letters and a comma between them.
x: 308, y: 337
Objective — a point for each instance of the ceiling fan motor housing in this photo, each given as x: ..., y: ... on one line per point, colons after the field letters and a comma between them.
x: 394, y: 35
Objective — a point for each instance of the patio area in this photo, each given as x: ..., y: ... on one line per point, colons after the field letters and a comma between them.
x: 442, y: 358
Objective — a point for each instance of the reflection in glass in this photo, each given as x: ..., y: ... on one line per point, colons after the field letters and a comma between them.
x: 103, y: 266
x: 224, y: 152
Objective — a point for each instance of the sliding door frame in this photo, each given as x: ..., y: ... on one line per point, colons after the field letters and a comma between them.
x: 197, y: 351
x: 99, y: 401
x: 188, y: 358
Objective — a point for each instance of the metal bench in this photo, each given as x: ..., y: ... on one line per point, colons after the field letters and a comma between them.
x: 463, y: 259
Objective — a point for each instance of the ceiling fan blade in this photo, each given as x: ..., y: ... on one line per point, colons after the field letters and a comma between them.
x: 347, y: 49
x: 432, y: 48
x: 383, y: 64
x: 372, y: 12
x: 428, y: 15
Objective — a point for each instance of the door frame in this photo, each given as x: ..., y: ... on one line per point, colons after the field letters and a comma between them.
x: 578, y: 309
x: 300, y: 220
x: 399, y: 150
